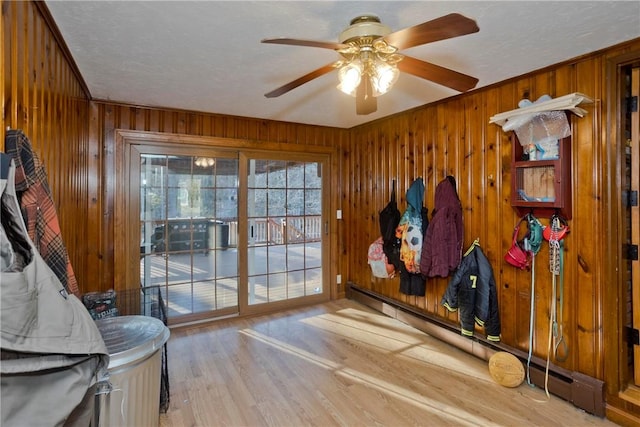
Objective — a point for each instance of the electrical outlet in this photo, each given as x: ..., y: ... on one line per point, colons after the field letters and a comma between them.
x: 339, y: 279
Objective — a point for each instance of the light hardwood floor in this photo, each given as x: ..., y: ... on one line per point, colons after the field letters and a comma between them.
x: 341, y: 364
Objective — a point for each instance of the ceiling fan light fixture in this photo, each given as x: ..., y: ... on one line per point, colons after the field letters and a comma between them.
x: 383, y: 77
x: 350, y: 76
x: 371, y: 64
x: 204, y: 162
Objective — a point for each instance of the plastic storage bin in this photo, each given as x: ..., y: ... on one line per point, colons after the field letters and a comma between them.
x: 135, y: 350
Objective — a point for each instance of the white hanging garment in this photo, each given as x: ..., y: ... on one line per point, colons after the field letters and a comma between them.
x: 52, y: 352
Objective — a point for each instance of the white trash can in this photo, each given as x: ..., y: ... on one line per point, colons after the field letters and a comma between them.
x: 135, y: 351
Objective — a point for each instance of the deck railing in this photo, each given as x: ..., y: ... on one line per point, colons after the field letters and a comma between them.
x: 196, y: 234
x: 293, y: 230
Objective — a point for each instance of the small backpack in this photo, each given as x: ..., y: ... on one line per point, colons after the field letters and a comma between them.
x: 377, y: 259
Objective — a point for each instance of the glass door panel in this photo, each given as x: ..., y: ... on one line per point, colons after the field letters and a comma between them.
x: 188, y: 225
x: 284, y: 218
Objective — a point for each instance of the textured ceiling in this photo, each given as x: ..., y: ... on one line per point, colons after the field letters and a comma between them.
x: 207, y: 56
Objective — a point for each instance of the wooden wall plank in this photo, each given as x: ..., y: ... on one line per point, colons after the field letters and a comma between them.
x: 587, y: 169
x: 42, y: 97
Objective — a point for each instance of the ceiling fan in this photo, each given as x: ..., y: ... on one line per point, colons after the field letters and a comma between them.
x: 370, y: 62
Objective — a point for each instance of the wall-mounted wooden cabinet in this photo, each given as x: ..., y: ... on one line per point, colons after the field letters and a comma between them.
x: 541, y: 183
x: 541, y: 186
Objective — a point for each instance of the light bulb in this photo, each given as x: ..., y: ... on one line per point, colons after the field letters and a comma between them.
x: 350, y: 76
x: 384, y: 77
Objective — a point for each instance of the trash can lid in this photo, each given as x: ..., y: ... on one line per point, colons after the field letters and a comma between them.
x: 131, y: 338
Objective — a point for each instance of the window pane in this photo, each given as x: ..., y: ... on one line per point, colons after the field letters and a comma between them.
x: 208, y: 205
x: 227, y: 293
x: 277, y: 287
x: 313, y: 177
x: 257, y: 203
x: 295, y: 283
x: 276, y: 202
x: 313, y: 202
x: 295, y: 175
x: 227, y: 203
x: 258, y: 260
x: 227, y: 173
x: 277, y: 259
x: 295, y: 256
x: 295, y: 202
x: 313, y: 258
x: 313, y: 281
x: 276, y: 174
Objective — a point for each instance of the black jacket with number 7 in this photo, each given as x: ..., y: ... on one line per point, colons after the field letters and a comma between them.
x: 472, y: 292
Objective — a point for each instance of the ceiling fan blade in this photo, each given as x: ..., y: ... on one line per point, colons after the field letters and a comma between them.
x: 302, y: 80
x: 309, y: 43
x: 445, y: 27
x: 366, y: 103
x: 435, y: 73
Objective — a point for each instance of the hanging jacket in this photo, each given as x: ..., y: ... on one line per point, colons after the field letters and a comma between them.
x: 389, y: 218
x: 472, y: 291
x: 411, y: 233
x: 38, y: 209
x: 52, y: 353
x: 411, y: 224
x: 442, y: 245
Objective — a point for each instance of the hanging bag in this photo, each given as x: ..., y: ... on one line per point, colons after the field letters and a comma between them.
x: 380, y: 266
x: 517, y: 255
x: 558, y: 231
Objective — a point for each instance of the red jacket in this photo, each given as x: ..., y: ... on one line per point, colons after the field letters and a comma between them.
x: 442, y: 245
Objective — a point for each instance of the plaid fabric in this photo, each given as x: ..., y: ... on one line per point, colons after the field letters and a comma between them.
x: 38, y: 209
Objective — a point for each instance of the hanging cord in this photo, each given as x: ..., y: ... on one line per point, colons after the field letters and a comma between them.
x: 554, y: 267
x: 531, y: 317
x: 556, y: 337
x: 532, y: 244
x: 557, y: 330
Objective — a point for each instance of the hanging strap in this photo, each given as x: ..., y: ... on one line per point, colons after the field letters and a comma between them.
x: 5, y: 163
x: 557, y: 330
x: 554, y: 268
x: 393, y: 191
x: 551, y: 319
x: 556, y: 249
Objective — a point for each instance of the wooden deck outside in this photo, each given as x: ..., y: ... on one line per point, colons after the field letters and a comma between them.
x: 207, y: 281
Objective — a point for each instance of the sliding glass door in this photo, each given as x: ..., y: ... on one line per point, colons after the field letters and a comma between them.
x: 230, y: 232
x: 286, y: 231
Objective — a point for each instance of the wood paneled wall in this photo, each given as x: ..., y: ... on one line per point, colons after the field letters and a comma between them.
x: 107, y: 118
x: 43, y: 96
x: 455, y: 137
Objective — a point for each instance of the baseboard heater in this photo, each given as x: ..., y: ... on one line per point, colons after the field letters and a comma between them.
x: 583, y: 391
